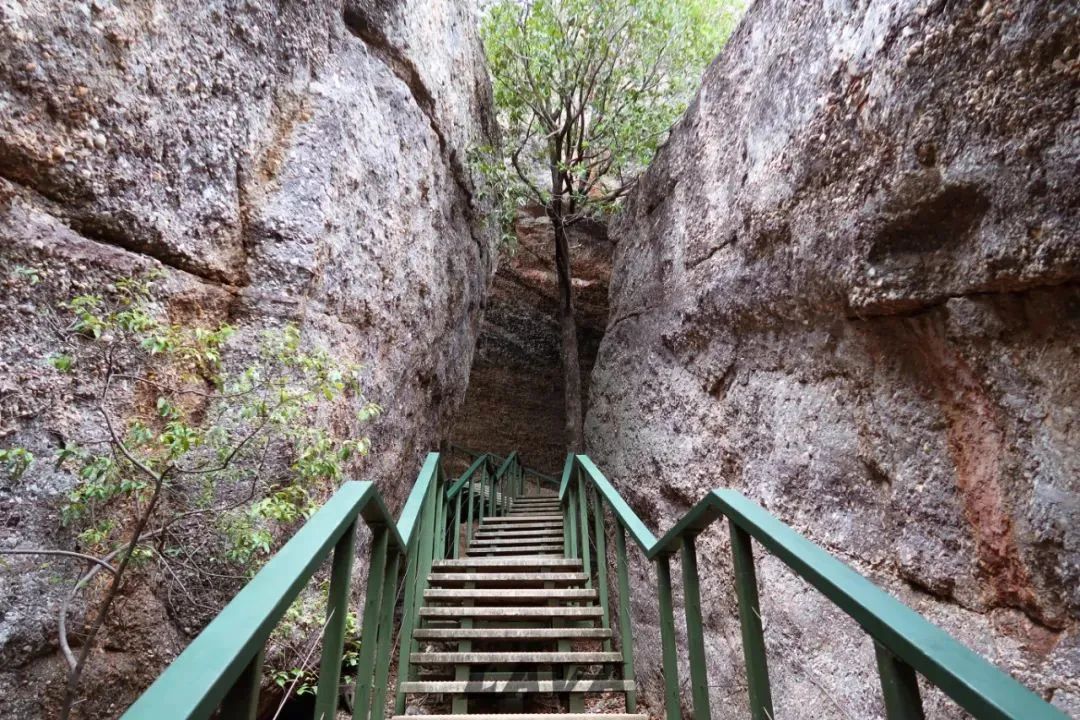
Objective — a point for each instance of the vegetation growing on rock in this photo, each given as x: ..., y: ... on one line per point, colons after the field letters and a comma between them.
x: 586, y: 91
x: 182, y: 446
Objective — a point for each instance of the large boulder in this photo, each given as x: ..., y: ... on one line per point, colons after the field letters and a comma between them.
x: 296, y: 161
x: 847, y: 286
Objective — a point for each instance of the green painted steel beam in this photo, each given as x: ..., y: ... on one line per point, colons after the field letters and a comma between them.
x: 969, y: 679
x: 695, y: 631
x: 458, y: 484
x: 369, y: 630
x: 406, y: 524
x: 750, y: 625
x: 242, y: 700
x: 337, y: 612
x: 385, y: 642
x: 567, y: 471
x: 626, y: 630
x: 629, y: 519
x: 507, y: 463
x: 669, y: 652
x: 899, y: 687
x: 600, y: 533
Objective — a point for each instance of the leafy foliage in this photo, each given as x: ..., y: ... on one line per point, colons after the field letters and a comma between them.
x: 184, y: 438
x: 15, y: 461
x: 587, y: 89
x: 205, y: 438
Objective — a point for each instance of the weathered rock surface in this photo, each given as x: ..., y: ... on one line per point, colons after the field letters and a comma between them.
x: 296, y: 161
x: 515, y: 396
x: 848, y: 286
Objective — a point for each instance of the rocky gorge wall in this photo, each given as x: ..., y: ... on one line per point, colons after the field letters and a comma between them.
x: 515, y: 396
x: 282, y: 162
x: 848, y: 287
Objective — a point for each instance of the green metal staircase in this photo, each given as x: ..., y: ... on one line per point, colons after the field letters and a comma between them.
x: 495, y: 588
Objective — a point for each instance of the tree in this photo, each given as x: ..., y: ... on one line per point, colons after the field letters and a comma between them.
x: 586, y: 90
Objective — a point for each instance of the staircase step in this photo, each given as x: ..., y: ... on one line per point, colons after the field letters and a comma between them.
x: 537, y: 594
x: 485, y: 578
x: 511, y: 613
x: 521, y: 658
x: 528, y: 716
x: 545, y: 539
x: 487, y: 564
x: 522, y: 527
x: 508, y: 531
x: 504, y: 519
x: 512, y: 634
x: 547, y: 535
x: 549, y: 550
x: 517, y: 686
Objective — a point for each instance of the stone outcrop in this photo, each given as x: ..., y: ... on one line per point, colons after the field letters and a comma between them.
x: 848, y: 286
x: 515, y: 396
x: 282, y: 161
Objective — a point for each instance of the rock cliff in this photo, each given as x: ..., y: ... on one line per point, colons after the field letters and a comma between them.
x: 282, y: 161
x: 515, y: 396
x: 848, y: 286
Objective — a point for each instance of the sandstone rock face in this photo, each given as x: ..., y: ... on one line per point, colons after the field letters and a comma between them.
x: 515, y: 396
x: 283, y: 161
x: 847, y: 286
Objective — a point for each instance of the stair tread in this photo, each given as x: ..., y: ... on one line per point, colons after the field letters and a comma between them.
x: 542, y: 540
x: 511, y: 594
x: 527, y: 716
x: 516, y: 686
x: 511, y: 612
x: 536, y: 546
x: 528, y: 532
x: 512, y: 633
x: 532, y: 554
x: 477, y: 658
x: 466, y: 563
x: 442, y: 578
x: 507, y: 519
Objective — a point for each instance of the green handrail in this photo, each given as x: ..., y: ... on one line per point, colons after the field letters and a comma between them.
x: 499, y: 458
x: 221, y: 666
x: 905, y: 642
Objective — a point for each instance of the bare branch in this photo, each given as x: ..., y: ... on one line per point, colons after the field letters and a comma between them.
x: 63, y: 553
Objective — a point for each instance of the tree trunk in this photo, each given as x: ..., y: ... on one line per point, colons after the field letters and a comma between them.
x: 575, y: 436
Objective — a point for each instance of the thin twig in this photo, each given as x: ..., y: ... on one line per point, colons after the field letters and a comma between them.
x: 304, y: 664
x: 63, y: 553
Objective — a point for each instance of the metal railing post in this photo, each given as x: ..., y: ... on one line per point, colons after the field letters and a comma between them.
x: 365, y: 668
x: 626, y: 630
x: 899, y: 686
x: 242, y: 700
x: 457, y: 524
x: 572, y: 515
x: 386, y: 639
x: 753, y: 637
x: 337, y: 614
x: 667, y: 637
x: 695, y: 638
x: 601, y: 563
x: 583, y: 528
